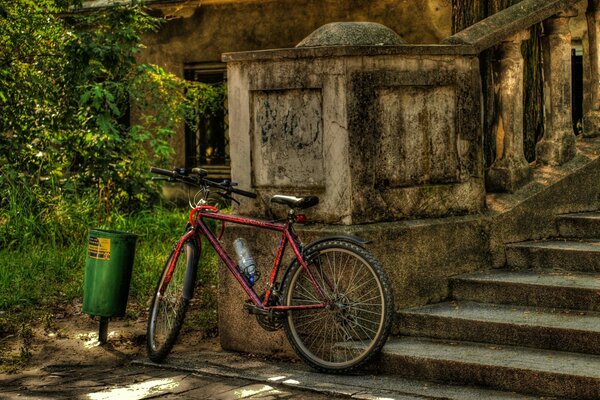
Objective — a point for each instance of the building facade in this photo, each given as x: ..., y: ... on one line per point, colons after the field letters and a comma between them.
x: 197, y: 32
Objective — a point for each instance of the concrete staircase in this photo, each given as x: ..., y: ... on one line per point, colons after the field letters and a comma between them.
x: 533, y: 328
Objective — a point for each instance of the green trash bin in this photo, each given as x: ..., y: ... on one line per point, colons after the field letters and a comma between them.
x: 108, y: 270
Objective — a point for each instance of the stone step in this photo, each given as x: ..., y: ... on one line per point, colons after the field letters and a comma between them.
x: 518, y: 369
x: 570, y: 290
x: 568, y: 255
x: 583, y: 225
x: 563, y: 330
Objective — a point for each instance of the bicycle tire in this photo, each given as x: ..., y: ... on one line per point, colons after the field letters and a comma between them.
x: 168, y: 309
x: 348, y: 334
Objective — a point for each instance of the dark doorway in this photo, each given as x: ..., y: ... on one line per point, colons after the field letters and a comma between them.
x: 207, y: 140
x: 577, y: 88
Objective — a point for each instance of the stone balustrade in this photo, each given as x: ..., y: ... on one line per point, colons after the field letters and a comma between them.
x: 506, y: 30
x: 510, y: 168
x: 558, y: 144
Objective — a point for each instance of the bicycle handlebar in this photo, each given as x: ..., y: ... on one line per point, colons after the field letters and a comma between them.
x: 200, y: 180
x: 160, y: 171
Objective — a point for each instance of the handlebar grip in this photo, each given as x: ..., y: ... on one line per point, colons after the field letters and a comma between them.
x: 160, y: 171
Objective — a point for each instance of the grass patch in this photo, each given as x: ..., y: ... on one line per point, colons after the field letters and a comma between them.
x: 38, y: 277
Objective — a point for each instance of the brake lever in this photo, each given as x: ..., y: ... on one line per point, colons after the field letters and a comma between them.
x: 227, y: 182
x: 226, y: 196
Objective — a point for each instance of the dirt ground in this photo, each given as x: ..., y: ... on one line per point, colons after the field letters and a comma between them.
x: 69, y: 337
x: 67, y: 362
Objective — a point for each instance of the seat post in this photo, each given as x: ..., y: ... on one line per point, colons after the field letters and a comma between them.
x: 291, y: 215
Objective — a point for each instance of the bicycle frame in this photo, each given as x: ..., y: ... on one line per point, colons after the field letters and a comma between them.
x: 288, y: 236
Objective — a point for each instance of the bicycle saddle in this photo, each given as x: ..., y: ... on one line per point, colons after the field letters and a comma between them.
x: 296, y: 202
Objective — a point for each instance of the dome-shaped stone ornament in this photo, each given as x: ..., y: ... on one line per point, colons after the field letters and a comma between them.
x: 352, y: 34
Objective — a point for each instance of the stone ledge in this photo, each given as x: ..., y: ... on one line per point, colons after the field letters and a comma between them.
x: 344, y: 51
x: 499, y: 26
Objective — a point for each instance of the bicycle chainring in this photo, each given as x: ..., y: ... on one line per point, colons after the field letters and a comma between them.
x: 274, y: 320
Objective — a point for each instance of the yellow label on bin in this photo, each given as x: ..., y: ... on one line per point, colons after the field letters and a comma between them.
x: 99, y: 248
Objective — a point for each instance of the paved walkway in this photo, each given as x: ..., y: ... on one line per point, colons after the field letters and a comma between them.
x: 221, y: 375
x: 134, y: 381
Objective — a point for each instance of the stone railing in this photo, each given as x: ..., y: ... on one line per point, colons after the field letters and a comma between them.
x: 382, y: 130
x: 507, y: 30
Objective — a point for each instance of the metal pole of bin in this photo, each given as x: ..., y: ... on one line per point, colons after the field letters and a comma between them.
x: 103, y: 331
x: 108, y: 271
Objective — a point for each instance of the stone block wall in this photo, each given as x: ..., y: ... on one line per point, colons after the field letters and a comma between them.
x: 377, y: 133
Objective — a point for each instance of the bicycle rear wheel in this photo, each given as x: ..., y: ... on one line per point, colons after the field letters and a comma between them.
x: 355, y: 325
x: 169, y: 304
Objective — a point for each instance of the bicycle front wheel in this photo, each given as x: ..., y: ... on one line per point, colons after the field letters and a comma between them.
x: 355, y: 324
x: 169, y: 305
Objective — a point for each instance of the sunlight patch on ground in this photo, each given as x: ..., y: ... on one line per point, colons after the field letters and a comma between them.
x: 254, y: 390
x: 135, y: 391
x: 287, y: 381
x: 90, y: 339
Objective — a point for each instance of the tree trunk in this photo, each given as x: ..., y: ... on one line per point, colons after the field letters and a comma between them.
x: 466, y: 13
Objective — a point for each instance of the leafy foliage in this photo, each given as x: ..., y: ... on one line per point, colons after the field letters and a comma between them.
x: 71, y: 159
x: 69, y: 85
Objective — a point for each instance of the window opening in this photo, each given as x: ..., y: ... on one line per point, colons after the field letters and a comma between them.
x: 577, y: 88
x: 207, y: 139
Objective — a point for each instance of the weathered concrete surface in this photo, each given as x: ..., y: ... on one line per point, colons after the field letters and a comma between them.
x: 352, y: 34
x: 503, y: 333
x: 509, y: 325
x: 549, y: 289
x: 582, y: 256
x: 376, y: 137
x: 541, y: 372
x: 529, y: 213
x: 583, y: 225
x: 420, y: 256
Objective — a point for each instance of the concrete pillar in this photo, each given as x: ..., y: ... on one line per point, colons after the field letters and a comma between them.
x: 558, y: 144
x: 510, y: 168
x: 591, y: 123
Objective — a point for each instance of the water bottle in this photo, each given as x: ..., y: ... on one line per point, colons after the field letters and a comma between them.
x: 246, y: 263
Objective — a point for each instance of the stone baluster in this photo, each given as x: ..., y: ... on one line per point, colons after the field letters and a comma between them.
x: 558, y: 144
x: 591, y: 123
x: 510, y: 169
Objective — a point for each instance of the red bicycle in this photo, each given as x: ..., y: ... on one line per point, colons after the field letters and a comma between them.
x: 334, y: 300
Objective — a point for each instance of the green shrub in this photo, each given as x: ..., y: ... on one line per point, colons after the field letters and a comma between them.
x: 69, y: 158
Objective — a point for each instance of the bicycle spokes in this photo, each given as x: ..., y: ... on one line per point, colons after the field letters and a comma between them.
x: 168, y: 307
x: 340, y: 334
